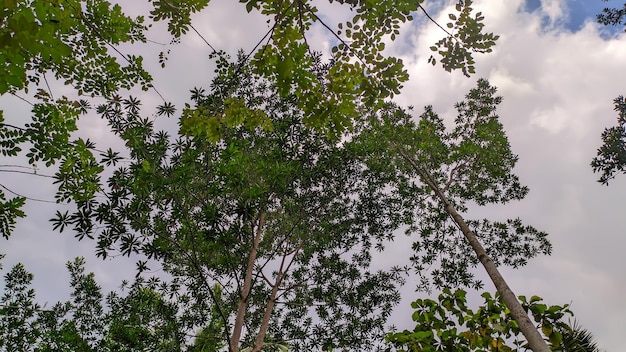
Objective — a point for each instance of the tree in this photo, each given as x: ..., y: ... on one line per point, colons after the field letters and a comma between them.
x: 283, y: 218
x: 611, y: 156
x: 448, y: 324
x: 77, y: 43
x: 280, y: 218
x: 444, y: 171
x: 138, y: 321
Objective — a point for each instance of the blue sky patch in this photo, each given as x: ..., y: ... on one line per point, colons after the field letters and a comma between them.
x: 579, y: 11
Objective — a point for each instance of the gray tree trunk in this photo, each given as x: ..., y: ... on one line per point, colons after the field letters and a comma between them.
x: 534, y: 338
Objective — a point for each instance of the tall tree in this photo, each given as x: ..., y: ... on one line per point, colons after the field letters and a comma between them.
x: 446, y: 171
x: 281, y: 218
x: 140, y: 320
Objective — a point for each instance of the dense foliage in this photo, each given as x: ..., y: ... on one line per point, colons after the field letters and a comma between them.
x: 448, y: 324
x: 139, y: 319
x: 282, y: 219
x: 611, y: 156
x: 77, y: 43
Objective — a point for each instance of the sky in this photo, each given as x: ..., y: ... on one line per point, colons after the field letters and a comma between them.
x: 557, y: 72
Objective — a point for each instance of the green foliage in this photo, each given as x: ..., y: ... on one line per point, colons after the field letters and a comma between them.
x: 448, y: 324
x: 138, y: 321
x: 471, y: 164
x: 68, y: 38
x: 71, y: 40
x: 18, y: 326
x: 456, y: 50
x: 359, y: 71
x: 74, y: 41
x: 287, y: 198
x: 611, y: 156
x: 579, y: 339
x: 10, y: 210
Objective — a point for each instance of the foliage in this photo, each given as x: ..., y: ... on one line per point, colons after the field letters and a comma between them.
x: 360, y: 72
x: 471, y: 164
x: 77, y: 42
x: 578, y: 338
x: 448, y: 324
x: 282, y: 219
x: 612, y: 16
x: 138, y: 321
x: 456, y: 49
x: 611, y: 156
x: 70, y: 41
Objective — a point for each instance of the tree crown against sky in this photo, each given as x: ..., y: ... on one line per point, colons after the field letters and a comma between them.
x: 285, y: 219
x: 144, y: 317
x: 281, y: 218
x: 77, y: 43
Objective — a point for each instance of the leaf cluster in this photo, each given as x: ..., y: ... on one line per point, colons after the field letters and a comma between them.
x: 467, y: 37
x: 141, y: 319
x: 69, y: 38
x: 611, y: 156
x: 612, y: 16
x: 448, y: 324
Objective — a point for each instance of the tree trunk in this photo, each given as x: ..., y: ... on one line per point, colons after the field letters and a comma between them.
x: 271, y: 302
x: 269, y: 308
x: 535, y: 341
x: 247, y: 286
x: 534, y: 338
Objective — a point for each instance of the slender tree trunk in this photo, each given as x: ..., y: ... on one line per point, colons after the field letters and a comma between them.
x: 535, y: 341
x: 247, y: 286
x: 271, y: 302
x: 269, y: 308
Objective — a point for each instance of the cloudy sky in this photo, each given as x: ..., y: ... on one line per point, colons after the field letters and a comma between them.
x: 558, y: 73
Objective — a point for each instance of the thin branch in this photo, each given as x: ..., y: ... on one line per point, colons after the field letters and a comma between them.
x: 190, y: 25
x: 433, y: 20
x: 334, y: 34
x: 27, y: 173
x: 452, y: 173
x: 22, y: 99
x: 201, y: 37
x: 29, y: 198
x: 48, y: 85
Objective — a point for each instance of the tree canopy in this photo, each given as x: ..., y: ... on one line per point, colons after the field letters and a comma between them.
x: 285, y: 178
x: 78, y: 43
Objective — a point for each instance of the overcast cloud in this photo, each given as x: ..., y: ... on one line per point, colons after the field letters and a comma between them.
x: 558, y: 75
